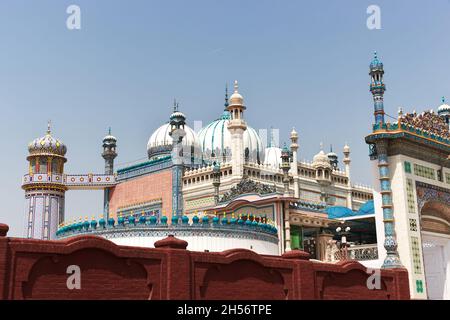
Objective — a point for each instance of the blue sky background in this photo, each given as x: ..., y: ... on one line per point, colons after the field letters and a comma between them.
x: 299, y: 63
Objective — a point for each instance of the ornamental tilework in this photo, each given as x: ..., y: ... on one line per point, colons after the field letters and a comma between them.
x: 419, y: 286
x: 199, y: 203
x: 415, y: 248
x: 427, y: 192
x: 410, y: 196
x: 412, y: 224
x: 407, y: 167
x: 424, y: 172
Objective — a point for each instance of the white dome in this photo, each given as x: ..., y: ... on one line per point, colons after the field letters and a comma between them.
x: 321, y: 160
x: 272, y: 157
x: 160, y: 142
x: 215, y: 141
x: 443, y: 108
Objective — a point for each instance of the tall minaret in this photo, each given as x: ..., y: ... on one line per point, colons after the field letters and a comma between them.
x: 377, y: 88
x: 109, y: 154
x: 177, y: 132
x: 294, y: 166
x: 237, y: 126
x: 44, y: 187
x: 347, y: 161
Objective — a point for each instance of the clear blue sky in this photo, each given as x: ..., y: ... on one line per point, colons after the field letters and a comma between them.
x: 299, y: 63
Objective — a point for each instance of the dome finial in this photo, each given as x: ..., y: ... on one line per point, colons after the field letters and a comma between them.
x: 321, y: 146
x: 443, y: 99
x: 49, y: 123
x: 236, y: 86
x: 109, y: 131
x: 175, y: 105
x: 375, y: 54
x: 226, y: 95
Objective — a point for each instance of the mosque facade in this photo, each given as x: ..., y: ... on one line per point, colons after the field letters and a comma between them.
x: 219, y: 188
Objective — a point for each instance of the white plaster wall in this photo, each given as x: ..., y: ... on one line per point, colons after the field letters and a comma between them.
x: 197, y: 243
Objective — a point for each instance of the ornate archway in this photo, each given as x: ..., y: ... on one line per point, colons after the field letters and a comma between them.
x: 434, y: 209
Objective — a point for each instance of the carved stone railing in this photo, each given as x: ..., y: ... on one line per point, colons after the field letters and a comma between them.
x: 354, y: 252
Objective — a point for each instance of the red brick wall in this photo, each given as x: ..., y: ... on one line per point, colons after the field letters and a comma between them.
x: 150, y: 187
x: 36, y: 269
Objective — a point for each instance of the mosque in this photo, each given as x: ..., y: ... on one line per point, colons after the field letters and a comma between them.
x: 225, y: 187
x: 220, y: 188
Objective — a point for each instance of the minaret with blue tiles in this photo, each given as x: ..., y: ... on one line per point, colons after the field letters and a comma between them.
x: 377, y: 88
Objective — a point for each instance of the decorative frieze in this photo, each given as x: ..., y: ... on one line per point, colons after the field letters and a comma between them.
x: 416, y: 256
x: 424, y: 172
x: 410, y: 196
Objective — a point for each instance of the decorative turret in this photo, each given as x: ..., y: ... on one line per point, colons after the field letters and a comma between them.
x: 377, y: 88
x: 44, y: 187
x: 237, y: 126
x: 216, y: 182
x: 333, y: 158
x: 294, y: 166
x: 285, y: 166
x: 444, y: 112
x: 347, y: 161
x: 109, y: 154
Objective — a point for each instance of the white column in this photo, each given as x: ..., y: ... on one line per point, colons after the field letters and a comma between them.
x: 287, y: 227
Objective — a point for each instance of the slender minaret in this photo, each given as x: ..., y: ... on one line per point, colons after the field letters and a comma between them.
x: 294, y: 166
x: 377, y: 88
x: 44, y: 187
x: 347, y: 161
x: 237, y: 126
x: 177, y: 132
x: 216, y: 182
x: 109, y: 154
x: 285, y: 166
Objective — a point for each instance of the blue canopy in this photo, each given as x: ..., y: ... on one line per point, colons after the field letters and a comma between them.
x: 337, y: 212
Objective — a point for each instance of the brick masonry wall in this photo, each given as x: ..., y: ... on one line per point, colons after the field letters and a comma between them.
x: 37, y: 269
x: 143, y: 189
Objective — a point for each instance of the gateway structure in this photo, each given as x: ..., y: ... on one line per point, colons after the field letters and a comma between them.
x: 412, y: 198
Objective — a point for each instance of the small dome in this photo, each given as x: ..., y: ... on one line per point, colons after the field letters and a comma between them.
x: 47, y: 145
x: 160, y: 142
x: 321, y: 160
x: 331, y: 155
x: 376, y: 63
x: 272, y: 157
x: 177, y: 114
x: 443, y: 108
x: 346, y: 148
x: 236, y: 98
x: 109, y: 137
x: 294, y: 133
